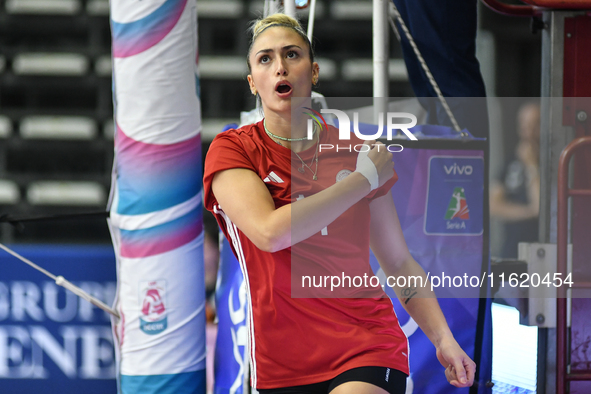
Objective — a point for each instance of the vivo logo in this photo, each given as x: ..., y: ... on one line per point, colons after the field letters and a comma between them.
x: 457, y: 170
x: 345, y: 125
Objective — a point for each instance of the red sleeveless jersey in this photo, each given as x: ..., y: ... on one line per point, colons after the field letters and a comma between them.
x: 296, y: 340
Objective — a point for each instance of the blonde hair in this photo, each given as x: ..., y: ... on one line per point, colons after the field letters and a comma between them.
x: 277, y: 20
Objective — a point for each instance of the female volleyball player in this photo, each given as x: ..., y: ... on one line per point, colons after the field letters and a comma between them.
x: 280, y: 198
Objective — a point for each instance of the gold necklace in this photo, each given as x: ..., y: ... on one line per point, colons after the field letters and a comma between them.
x: 314, y: 159
x: 302, y: 169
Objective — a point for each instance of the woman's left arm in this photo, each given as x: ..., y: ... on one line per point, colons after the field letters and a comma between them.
x: 388, y: 245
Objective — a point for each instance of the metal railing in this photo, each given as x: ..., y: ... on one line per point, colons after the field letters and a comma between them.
x: 563, y: 377
x: 512, y: 10
x: 535, y: 7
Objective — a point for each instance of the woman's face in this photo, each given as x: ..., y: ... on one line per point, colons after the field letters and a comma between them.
x: 528, y: 120
x: 280, y: 68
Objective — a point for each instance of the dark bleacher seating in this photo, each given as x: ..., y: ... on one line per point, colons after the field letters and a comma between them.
x: 56, y: 129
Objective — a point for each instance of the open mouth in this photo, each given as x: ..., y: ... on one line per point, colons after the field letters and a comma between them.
x: 283, y: 87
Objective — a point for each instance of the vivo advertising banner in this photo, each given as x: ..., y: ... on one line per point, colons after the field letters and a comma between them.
x: 52, y: 341
x: 156, y: 209
x: 439, y: 199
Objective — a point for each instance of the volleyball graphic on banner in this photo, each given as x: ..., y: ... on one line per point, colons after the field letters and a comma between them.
x: 153, y: 316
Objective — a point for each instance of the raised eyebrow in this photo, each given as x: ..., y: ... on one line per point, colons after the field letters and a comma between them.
x: 285, y: 48
x: 288, y: 47
x: 264, y: 51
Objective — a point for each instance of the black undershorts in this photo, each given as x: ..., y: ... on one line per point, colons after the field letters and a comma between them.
x: 391, y: 380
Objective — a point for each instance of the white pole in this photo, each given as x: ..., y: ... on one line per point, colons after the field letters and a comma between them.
x: 311, y: 17
x: 289, y: 8
x: 271, y: 7
x: 380, y: 56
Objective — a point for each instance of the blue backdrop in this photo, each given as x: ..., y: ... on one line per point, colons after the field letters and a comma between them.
x: 51, y: 341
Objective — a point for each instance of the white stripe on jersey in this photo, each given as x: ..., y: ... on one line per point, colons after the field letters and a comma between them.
x: 407, y: 340
x: 235, y: 238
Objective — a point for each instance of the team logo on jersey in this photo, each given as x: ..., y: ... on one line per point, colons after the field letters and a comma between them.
x: 458, y: 207
x: 455, y: 190
x: 152, y: 296
x: 342, y: 174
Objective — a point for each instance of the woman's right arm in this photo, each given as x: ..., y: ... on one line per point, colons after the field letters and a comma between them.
x: 245, y: 199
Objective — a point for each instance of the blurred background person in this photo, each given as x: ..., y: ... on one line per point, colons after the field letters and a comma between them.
x: 515, y: 195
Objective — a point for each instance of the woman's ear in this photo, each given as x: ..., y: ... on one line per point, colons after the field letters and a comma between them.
x: 315, y: 73
x: 253, y: 88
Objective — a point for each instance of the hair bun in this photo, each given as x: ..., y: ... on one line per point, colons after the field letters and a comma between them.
x: 261, y: 25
